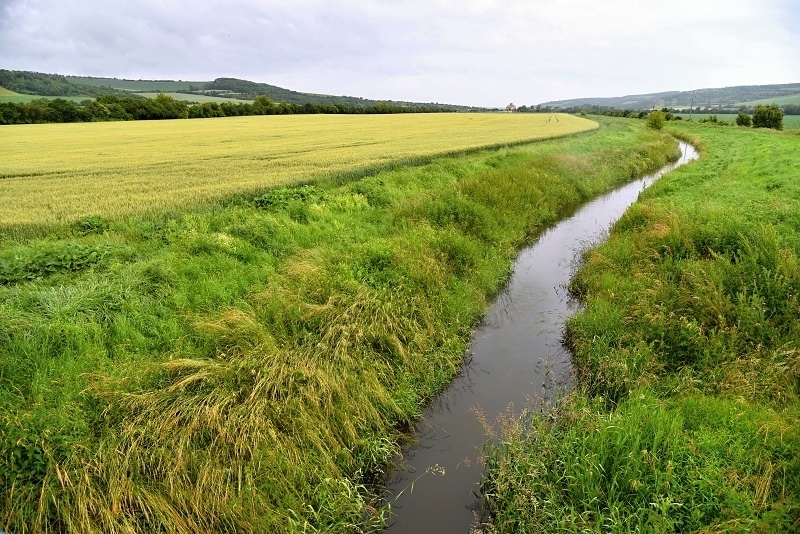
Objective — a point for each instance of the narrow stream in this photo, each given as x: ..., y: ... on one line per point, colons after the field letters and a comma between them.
x: 514, y: 351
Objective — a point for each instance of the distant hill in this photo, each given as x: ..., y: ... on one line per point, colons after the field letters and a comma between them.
x: 236, y: 88
x: 37, y: 83
x: 138, y: 86
x: 222, y: 89
x: 725, y: 97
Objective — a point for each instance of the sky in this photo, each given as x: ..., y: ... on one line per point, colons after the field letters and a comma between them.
x: 469, y: 52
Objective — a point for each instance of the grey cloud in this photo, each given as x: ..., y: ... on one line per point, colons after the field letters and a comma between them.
x: 466, y: 51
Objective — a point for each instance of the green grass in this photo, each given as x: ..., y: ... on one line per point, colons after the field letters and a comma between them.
x: 780, y: 101
x: 686, y: 414
x: 248, y: 366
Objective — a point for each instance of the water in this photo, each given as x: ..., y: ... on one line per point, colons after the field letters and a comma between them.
x: 514, y: 351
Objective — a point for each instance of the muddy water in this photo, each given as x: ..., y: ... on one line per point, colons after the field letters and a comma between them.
x: 513, y: 353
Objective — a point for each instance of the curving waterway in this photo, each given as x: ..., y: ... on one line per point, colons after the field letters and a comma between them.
x: 514, y: 351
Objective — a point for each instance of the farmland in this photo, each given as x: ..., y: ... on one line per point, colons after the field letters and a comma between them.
x: 779, y: 101
x: 190, y: 97
x: 118, y: 169
x: 247, y: 366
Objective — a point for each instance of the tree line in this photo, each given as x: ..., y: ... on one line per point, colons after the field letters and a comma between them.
x: 584, y: 110
x: 124, y: 108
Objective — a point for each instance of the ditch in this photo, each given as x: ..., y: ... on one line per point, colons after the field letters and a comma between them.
x: 515, y: 357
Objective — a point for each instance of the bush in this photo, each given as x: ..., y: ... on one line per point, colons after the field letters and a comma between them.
x: 768, y: 117
x: 655, y: 120
x: 743, y: 119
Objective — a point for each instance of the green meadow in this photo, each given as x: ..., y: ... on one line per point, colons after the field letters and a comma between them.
x: 685, y: 415
x: 249, y: 364
x: 780, y: 101
x: 16, y: 98
x: 790, y: 122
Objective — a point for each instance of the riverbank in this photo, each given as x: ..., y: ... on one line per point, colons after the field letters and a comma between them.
x: 686, y: 413
x: 247, y: 366
x: 514, y: 353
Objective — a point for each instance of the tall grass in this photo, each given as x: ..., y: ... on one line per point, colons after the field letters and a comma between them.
x: 685, y: 418
x: 249, y: 367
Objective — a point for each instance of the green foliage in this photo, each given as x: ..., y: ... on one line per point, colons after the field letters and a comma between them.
x: 112, y: 107
x: 26, y: 263
x: 137, y: 86
x: 283, y: 197
x: 768, y: 116
x: 656, y: 119
x: 36, y: 83
x: 743, y: 119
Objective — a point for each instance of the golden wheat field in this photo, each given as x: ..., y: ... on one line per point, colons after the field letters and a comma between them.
x: 56, y: 173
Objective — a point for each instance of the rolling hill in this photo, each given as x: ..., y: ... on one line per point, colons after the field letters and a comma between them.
x: 220, y: 89
x: 710, y: 98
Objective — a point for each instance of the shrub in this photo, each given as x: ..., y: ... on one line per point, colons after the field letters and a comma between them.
x: 743, y: 119
x: 770, y: 116
x: 655, y: 120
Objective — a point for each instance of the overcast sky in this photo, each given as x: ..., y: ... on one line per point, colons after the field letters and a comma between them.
x: 473, y: 52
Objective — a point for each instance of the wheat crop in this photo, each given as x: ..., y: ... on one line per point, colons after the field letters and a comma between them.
x: 56, y: 173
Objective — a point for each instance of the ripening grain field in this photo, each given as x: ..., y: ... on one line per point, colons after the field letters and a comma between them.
x: 56, y: 173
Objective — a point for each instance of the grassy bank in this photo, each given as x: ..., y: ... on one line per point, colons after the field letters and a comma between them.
x: 686, y: 415
x: 247, y: 366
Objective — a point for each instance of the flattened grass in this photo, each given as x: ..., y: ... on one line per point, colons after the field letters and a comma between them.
x: 687, y: 353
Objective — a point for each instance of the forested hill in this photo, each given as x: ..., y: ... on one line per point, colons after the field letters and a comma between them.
x: 724, y: 97
x: 51, y: 85
x: 37, y: 83
x: 235, y: 88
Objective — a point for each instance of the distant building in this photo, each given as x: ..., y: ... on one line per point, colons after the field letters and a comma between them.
x: 511, y: 107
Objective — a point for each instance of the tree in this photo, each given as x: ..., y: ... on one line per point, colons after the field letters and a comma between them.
x: 655, y: 120
x: 263, y: 105
x: 743, y: 119
x: 770, y: 116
